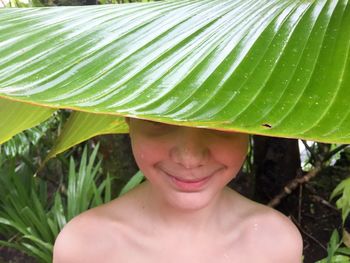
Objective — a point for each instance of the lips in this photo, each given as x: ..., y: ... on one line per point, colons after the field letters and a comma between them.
x: 189, y: 185
x: 189, y: 181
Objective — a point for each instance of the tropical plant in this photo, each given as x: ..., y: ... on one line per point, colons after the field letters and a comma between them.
x: 132, y: 183
x: 336, y: 253
x: 31, y: 220
x: 277, y: 68
x: 21, y: 3
x: 339, y: 248
x: 342, y: 192
x: 21, y: 145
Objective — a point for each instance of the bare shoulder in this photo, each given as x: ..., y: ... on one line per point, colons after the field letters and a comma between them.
x: 80, y: 238
x: 272, y: 234
x: 280, y: 237
x: 94, y: 235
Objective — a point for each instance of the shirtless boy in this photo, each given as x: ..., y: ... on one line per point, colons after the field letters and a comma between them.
x: 183, y: 212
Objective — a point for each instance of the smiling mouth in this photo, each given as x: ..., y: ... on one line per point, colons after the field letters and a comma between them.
x: 191, y: 181
x: 189, y: 185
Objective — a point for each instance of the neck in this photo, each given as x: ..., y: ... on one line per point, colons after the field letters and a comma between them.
x: 190, y: 220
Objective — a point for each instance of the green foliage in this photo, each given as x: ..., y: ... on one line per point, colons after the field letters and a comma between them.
x: 133, y: 182
x: 21, y: 4
x: 23, y: 215
x: 72, y: 132
x: 18, y: 116
x: 123, y: 1
x: 336, y: 254
x: 342, y: 191
x: 82, y: 192
x: 277, y: 68
x: 40, y: 3
x: 31, y: 220
x: 21, y: 144
x: 338, y: 249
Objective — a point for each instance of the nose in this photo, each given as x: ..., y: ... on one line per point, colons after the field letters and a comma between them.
x: 190, y: 148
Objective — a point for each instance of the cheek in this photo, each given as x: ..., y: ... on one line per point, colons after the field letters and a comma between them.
x: 233, y: 154
x: 147, y: 153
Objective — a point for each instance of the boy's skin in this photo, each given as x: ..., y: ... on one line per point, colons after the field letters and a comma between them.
x: 183, y: 212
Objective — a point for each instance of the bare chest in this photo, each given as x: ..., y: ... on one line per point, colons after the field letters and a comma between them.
x: 199, y: 251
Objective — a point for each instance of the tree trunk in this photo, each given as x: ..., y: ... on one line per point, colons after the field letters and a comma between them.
x: 276, y: 162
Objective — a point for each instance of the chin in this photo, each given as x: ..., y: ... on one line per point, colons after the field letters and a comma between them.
x: 190, y: 201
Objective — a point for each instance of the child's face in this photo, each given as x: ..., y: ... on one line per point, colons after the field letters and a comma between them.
x: 187, y: 167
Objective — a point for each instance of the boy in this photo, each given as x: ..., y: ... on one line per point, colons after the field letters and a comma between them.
x: 184, y: 212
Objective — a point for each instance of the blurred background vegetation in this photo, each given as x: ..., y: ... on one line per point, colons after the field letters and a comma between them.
x: 307, y: 181
x: 40, y: 3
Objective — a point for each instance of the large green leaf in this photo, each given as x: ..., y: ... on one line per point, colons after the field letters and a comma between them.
x: 82, y: 126
x: 273, y: 67
x: 16, y: 117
